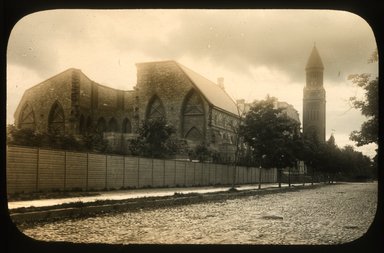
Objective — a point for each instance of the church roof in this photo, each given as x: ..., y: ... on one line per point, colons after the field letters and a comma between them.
x: 211, y: 91
x: 314, y: 60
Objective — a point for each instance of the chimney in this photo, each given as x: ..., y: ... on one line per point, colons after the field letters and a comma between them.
x: 220, y: 82
x: 240, y: 101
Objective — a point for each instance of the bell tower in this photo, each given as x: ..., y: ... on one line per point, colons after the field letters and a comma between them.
x: 314, y: 97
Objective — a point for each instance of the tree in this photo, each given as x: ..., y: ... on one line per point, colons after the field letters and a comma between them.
x: 154, y: 139
x: 30, y: 137
x: 94, y: 142
x: 270, y: 134
x: 201, y: 152
x: 368, y: 106
x: 23, y: 137
x: 355, y: 165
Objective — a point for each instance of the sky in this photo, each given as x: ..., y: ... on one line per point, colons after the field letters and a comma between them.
x: 257, y: 52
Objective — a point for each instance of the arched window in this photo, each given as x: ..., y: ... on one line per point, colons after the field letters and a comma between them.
x: 101, y: 126
x: 193, y: 118
x: 126, y: 127
x: 27, y: 117
x: 155, y: 109
x: 112, y: 125
x: 194, y: 135
x: 193, y: 104
x: 56, y: 121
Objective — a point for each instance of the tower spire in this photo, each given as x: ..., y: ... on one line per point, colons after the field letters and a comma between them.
x: 314, y: 60
x: 314, y: 110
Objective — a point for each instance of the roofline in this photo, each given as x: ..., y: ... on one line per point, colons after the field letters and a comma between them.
x: 52, y: 77
x: 221, y: 109
x: 154, y: 62
x: 75, y: 69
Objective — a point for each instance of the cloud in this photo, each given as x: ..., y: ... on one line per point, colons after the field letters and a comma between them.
x: 281, y: 40
x: 239, y: 40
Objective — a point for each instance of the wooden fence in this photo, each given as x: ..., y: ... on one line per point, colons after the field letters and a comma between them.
x: 34, y: 169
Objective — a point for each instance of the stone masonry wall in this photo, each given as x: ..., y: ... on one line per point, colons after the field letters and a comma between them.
x: 42, y: 96
x: 171, y: 85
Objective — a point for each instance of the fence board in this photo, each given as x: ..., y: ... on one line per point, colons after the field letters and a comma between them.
x: 190, y: 176
x: 21, y: 169
x: 96, y: 171
x: 169, y: 173
x: 76, y: 171
x: 131, y: 172
x: 180, y: 173
x: 31, y: 169
x: 198, y: 167
x: 145, y: 172
x: 115, y: 165
x: 158, y: 173
x: 51, y: 170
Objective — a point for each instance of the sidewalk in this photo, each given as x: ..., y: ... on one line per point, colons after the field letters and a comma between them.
x: 137, y: 193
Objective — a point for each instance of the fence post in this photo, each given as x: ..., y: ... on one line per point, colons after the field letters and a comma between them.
x: 37, y: 169
x: 174, y: 175
x: 65, y: 169
x: 185, y: 173
x: 152, y: 174
x: 163, y: 172
x: 194, y: 173
x: 214, y: 179
x: 289, y: 176
x: 202, y: 174
x: 87, y: 171
x: 123, y: 171
x: 138, y: 172
x: 209, y: 174
x: 106, y: 172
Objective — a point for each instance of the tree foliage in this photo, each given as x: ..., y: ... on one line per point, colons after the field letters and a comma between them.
x: 369, y: 106
x: 270, y: 134
x: 155, y: 139
x: 328, y: 159
x: 32, y: 138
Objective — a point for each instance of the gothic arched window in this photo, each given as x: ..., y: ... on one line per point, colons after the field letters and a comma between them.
x: 101, y: 125
x: 112, y: 125
x: 193, y: 118
x: 27, y: 117
x: 155, y: 109
x: 126, y: 127
x: 56, y: 121
x: 193, y: 105
x: 194, y: 135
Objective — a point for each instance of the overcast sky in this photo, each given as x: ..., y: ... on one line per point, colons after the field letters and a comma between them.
x: 258, y: 52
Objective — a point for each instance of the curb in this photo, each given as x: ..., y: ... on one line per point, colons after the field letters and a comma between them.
x: 92, y: 209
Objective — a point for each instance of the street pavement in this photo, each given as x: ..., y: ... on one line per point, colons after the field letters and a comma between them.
x: 134, y: 194
x: 333, y: 214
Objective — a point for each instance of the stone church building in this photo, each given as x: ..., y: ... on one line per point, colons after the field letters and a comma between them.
x: 200, y: 110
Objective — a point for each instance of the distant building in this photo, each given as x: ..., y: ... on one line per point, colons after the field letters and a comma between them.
x: 314, y: 97
x: 287, y: 109
x: 200, y: 110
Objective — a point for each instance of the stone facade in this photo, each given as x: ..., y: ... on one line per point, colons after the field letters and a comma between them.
x: 200, y: 110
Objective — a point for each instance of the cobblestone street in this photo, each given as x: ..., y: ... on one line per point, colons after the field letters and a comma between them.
x: 325, y: 215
